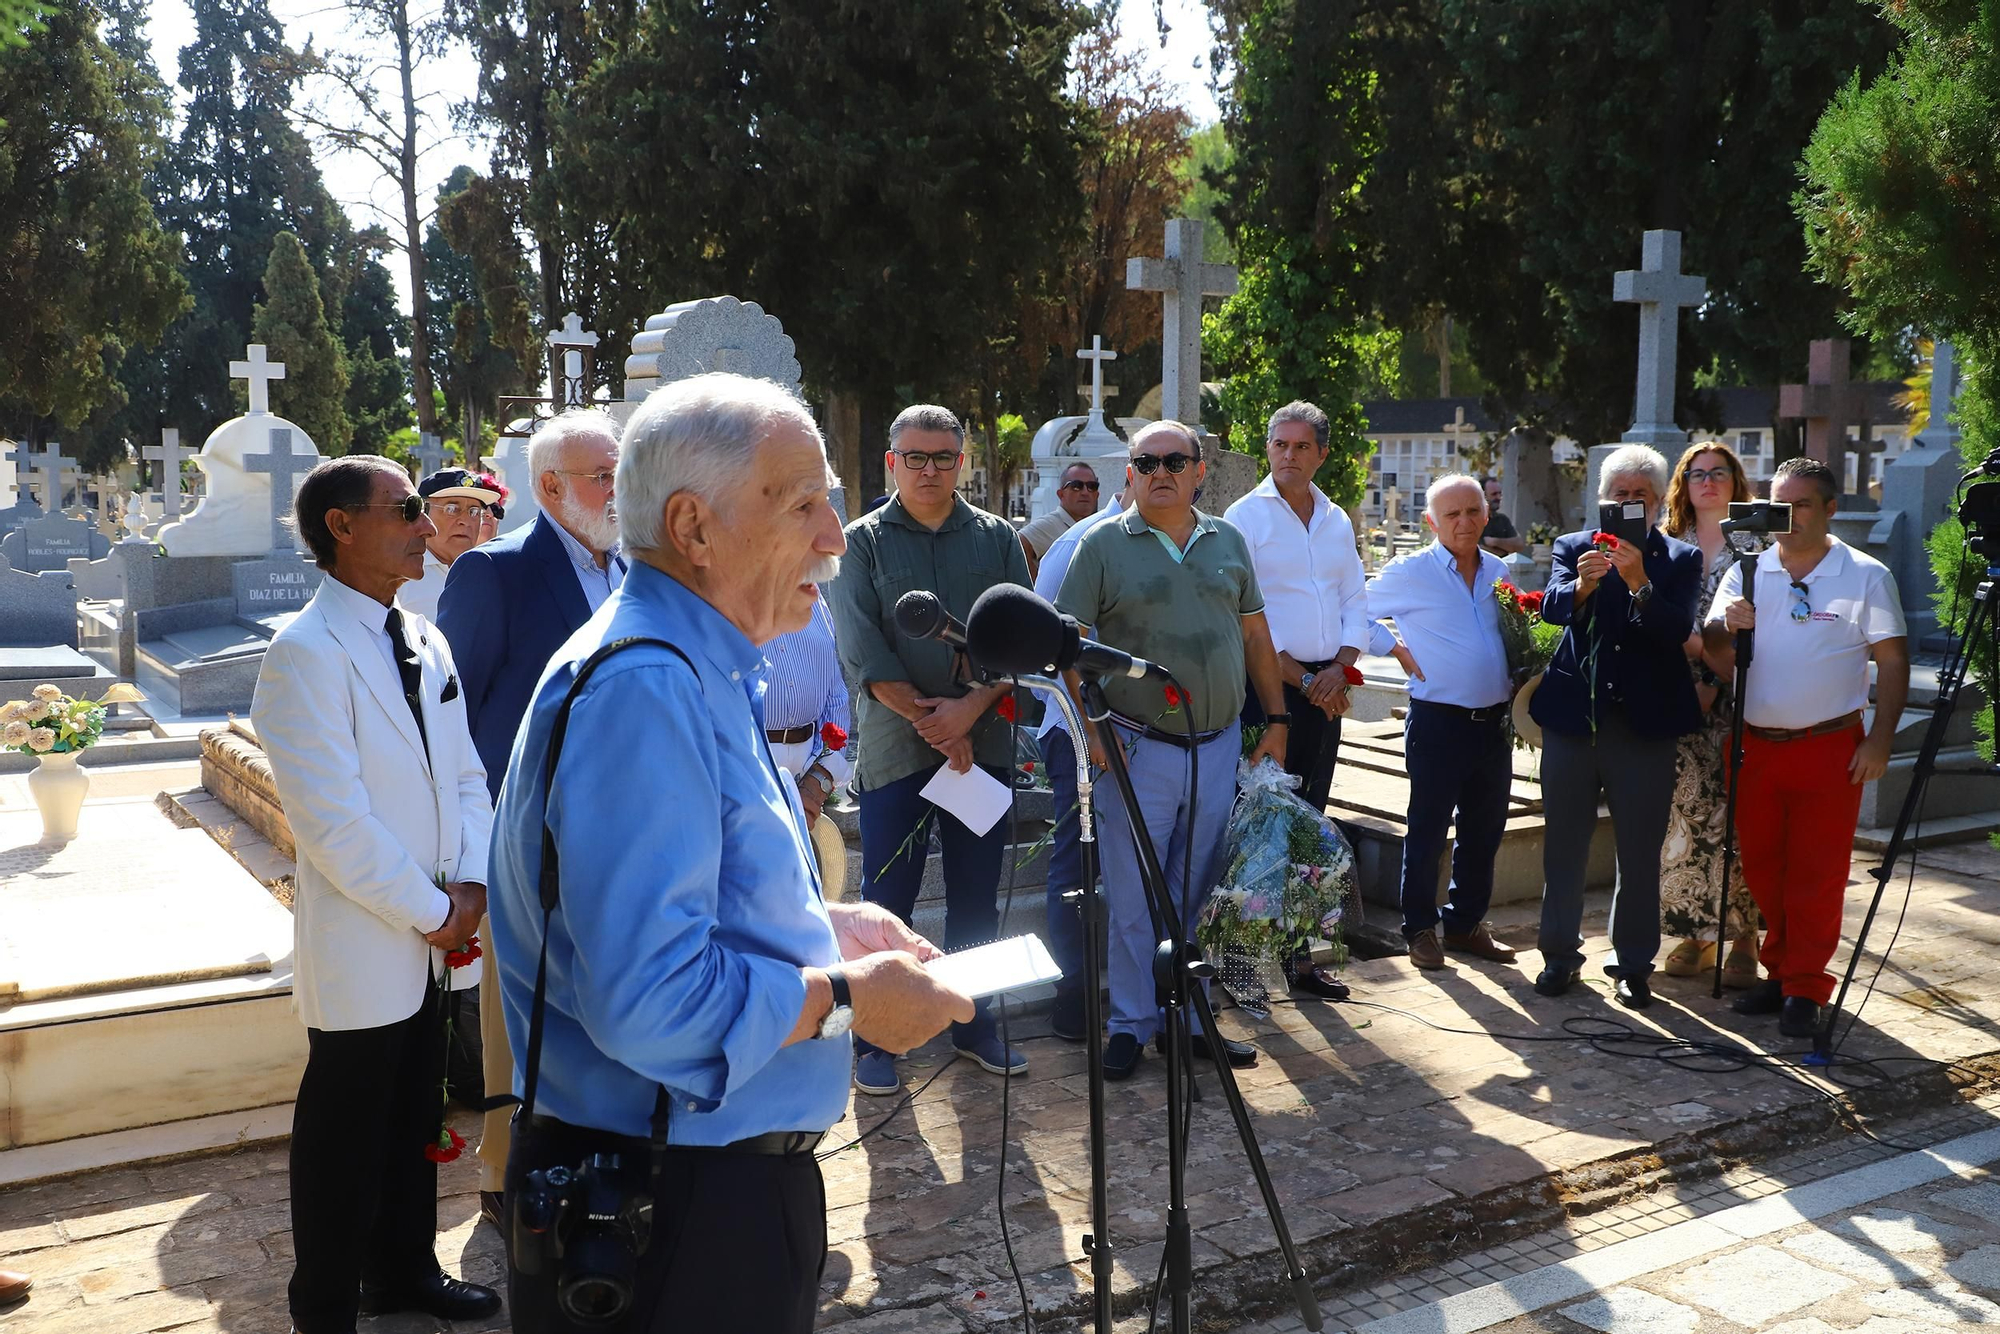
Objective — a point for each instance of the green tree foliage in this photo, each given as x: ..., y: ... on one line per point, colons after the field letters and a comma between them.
x: 1901, y: 205
x: 371, y: 329
x: 291, y: 323
x: 89, y: 271
x: 1302, y: 128
x: 888, y: 178
x: 20, y: 20
x: 481, y: 340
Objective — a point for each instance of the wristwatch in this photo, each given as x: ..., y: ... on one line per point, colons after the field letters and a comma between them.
x: 1272, y: 719
x: 1306, y: 680
x: 1645, y: 593
x: 841, y: 1017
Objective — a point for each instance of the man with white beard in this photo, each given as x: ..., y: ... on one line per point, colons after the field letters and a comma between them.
x: 507, y: 607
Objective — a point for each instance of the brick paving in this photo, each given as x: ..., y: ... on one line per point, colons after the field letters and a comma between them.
x: 1397, y: 1147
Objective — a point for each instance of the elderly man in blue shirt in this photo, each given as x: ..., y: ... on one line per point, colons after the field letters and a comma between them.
x: 692, y: 964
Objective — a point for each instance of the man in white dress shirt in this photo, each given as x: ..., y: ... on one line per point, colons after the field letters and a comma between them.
x: 1456, y: 746
x: 360, y: 711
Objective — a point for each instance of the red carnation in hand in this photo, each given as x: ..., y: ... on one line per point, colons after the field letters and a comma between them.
x: 446, y: 1148
x: 1605, y: 542
x: 1351, y: 674
x: 464, y: 955
x: 833, y: 736
x: 1005, y: 708
x: 1174, y: 698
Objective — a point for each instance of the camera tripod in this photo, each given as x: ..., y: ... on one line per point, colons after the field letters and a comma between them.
x: 1177, y: 969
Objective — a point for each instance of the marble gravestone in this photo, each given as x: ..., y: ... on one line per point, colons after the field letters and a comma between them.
x: 52, y: 543
x: 1918, y: 485
x: 716, y: 333
x: 234, y: 517
x: 36, y: 610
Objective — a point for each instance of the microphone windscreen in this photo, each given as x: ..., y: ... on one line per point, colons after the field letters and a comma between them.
x: 1011, y: 630
x: 919, y: 614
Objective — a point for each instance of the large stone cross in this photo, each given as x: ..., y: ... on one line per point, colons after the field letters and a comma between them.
x: 168, y: 454
x: 1096, y: 355
x: 1457, y: 429
x: 1864, y: 448
x: 1660, y: 289
x: 1183, y: 280
x: 1828, y: 402
x: 285, y: 470
x: 430, y: 455
x: 53, y: 467
x: 259, y: 372
x: 572, y: 340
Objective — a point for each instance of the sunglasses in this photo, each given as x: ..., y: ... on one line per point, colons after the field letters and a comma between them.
x: 1148, y: 464
x: 1079, y: 486
x: 413, y: 506
x: 1710, y: 474
x: 916, y: 460
x: 1802, y: 609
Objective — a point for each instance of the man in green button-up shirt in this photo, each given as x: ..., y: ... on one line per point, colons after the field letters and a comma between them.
x: 916, y: 712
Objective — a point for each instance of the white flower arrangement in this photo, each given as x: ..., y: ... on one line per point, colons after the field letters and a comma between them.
x: 50, y: 722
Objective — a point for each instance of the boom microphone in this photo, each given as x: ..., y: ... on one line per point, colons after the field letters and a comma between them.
x: 919, y: 615
x: 1012, y: 632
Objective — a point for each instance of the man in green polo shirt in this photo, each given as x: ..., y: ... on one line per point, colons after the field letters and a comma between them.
x: 914, y: 710
x: 1175, y: 586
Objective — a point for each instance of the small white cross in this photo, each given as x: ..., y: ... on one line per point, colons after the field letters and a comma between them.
x: 259, y: 371
x: 1096, y: 356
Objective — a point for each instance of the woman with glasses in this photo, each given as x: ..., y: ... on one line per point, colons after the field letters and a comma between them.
x: 458, y: 502
x: 1706, y: 481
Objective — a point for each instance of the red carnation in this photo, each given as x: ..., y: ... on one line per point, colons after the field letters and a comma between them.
x: 1005, y: 708
x: 1533, y: 602
x: 1174, y: 698
x: 1507, y: 589
x: 446, y: 1148
x: 464, y: 955
x: 1351, y: 674
x: 833, y: 736
x: 1606, y: 542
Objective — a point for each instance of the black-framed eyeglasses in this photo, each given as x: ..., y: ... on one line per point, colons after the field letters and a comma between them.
x: 1802, y: 609
x: 413, y: 506
x: 604, y: 477
x: 1721, y: 474
x: 1148, y: 464
x: 916, y: 460
x: 1079, y: 485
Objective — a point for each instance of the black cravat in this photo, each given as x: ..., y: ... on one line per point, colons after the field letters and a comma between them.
x: 410, y: 669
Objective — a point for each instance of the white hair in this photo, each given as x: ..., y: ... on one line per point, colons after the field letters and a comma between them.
x: 546, y: 444
x: 698, y: 435
x: 1631, y: 460
x: 1445, y: 483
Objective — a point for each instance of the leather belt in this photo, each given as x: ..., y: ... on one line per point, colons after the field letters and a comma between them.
x: 771, y: 1144
x: 1179, y: 739
x: 790, y: 736
x: 1840, y: 724
x: 1491, y: 713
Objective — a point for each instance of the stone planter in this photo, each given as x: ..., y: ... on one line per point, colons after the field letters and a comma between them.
x: 1542, y: 552
x: 59, y: 786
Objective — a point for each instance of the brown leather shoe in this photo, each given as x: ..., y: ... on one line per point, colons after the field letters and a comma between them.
x: 1425, y: 952
x: 1480, y: 944
x: 14, y: 1287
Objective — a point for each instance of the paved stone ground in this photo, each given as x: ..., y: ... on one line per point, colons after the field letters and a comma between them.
x: 1874, y: 1238
x: 1396, y: 1144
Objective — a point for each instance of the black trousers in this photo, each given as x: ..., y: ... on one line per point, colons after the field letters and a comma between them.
x: 739, y: 1240
x: 1312, y: 744
x: 364, y: 1197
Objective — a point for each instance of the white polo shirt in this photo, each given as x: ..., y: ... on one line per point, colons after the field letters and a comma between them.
x: 1811, y: 659
x: 1315, y: 595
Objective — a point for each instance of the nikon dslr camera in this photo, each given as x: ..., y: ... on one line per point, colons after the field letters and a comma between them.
x: 588, y: 1228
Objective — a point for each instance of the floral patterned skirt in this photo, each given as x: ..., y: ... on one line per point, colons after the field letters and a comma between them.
x: 1691, y: 858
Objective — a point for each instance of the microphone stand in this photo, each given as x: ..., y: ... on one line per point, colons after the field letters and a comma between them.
x: 1746, y: 564
x: 1176, y: 969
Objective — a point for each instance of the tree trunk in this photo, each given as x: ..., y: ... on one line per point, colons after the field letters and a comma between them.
x: 423, y: 390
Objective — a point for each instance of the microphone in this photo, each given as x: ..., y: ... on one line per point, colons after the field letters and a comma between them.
x: 1012, y: 632
x: 919, y: 615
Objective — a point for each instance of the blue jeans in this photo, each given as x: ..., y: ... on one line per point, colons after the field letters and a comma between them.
x: 895, y: 847
x: 1455, y: 764
x: 1175, y: 822
x: 1065, y: 864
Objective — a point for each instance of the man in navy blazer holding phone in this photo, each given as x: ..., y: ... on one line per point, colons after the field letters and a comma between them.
x: 1614, y: 702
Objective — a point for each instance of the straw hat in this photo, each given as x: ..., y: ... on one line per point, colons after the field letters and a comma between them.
x: 831, y: 850
x: 1525, y: 726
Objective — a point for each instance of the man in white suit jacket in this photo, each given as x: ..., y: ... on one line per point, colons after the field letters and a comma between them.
x: 359, y: 710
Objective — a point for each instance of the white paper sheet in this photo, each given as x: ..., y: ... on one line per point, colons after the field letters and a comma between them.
x: 1004, y: 965
x: 976, y: 798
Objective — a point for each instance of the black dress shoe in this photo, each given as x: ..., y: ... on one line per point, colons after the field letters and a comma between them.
x: 1239, y: 1054
x: 1633, y: 993
x: 1799, y: 1018
x: 1767, y: 997
x: 493, y: 1208
x: 1321, y: 983
x: 1555, y: 981
x: 1121, y: 1056
x: 441, y: 1295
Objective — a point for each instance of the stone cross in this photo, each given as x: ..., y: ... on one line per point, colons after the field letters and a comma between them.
x: 1939, y: 432
x: 1864, y: 448
x: 53, y: 467
x: 1660, y: 289
x: 286, y: 470
x: 1183, y: 280
x: 18, y: 458
x: 430, y: 455
x: 1457, y: 429
x: 1096, y: 356
x: 108, y: 509
x: 1828, y: 402
x: 571, y: 340
x: 259, y: 372
x: 1392, y: 503
x: 168, y: 454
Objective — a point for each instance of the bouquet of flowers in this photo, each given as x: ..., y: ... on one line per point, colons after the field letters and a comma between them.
x: 50, y: 721
x: 1530, y: 640
x: 1287, y: 883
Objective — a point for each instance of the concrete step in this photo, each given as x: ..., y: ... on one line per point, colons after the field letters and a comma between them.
x: 1952, y: 790
x: 1935, y: 833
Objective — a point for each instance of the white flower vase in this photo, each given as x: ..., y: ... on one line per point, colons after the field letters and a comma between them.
x: 59, y: 785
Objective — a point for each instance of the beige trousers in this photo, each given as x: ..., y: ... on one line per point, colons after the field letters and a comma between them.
x: 498, y: 1060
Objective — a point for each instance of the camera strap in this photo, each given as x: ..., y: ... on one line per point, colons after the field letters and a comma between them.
x: 551, y: 887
